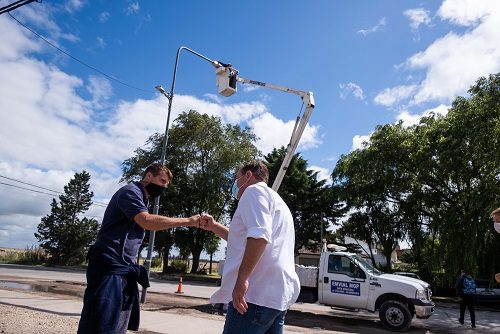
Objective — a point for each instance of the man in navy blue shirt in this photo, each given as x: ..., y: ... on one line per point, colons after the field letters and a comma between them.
x: 111, y: 301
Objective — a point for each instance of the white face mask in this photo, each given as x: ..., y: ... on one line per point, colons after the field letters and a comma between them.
x: 497, y: 227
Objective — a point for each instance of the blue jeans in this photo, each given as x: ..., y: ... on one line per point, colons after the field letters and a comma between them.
x: 256, y: 320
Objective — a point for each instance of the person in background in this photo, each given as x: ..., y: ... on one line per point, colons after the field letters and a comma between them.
x: 111, y: 300
x: 466, y: 288
x: 259, y: 280
x: 495, y: 215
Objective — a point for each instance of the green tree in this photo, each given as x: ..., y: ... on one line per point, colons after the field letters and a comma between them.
x: 375, y: 184
x: 310, y: 200
x: 203, y: 155
x: 459, y: 176
x: 63, y: 233
x: 434, y: 183
x: 212, y: 246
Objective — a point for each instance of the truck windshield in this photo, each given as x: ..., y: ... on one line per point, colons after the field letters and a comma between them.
x: 367, y: 265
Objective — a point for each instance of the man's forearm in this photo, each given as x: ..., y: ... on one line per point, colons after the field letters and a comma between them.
x: 253, y: 252
x: 156, y: 222
x: 221, y: 230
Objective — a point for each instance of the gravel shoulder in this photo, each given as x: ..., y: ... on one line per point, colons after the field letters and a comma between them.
x: 17, y: 320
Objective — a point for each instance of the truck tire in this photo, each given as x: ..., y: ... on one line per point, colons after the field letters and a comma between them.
x: 395, y: 316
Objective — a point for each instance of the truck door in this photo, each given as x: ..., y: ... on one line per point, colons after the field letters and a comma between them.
x: 343, y: 283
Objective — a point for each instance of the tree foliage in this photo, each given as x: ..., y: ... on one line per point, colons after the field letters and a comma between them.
x: 310, y: 200
x: 433, y: 183
x: 63, y: 233
x: 375, y: 184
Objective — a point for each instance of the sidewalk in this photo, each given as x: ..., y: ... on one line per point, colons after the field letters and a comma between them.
x: 158, y: 322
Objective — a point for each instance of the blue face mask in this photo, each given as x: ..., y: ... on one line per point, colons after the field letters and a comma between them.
x: 235, y: 189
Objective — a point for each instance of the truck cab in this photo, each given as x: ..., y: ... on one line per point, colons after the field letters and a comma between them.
x: 347, y: 280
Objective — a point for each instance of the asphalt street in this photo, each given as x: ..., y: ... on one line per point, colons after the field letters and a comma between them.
x: 310, y: 318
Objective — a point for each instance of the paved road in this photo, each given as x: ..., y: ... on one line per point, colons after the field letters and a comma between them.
x: 444, y: 319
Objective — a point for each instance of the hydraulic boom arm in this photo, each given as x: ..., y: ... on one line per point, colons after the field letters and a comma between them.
x: 227, y: 77
x: 300, y: 124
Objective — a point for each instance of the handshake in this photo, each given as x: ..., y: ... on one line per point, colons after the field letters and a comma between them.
x: 203, y: 221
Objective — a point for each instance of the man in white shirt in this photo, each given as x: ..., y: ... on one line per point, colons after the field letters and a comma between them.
x: 259, y: 282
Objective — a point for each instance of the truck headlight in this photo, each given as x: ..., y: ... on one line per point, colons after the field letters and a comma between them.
x: 420, y: 294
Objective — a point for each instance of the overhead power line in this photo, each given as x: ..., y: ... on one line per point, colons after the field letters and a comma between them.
x: 33, y: 190
x: 41, y: 192
x: 53, y: 192
x: 15, y: 5
x: 78, y: 60
x: 29, y: 184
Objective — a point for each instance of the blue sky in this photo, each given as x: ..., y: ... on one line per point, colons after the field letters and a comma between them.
x: 367, y: 63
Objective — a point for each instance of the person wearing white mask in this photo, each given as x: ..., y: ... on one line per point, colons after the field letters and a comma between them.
x: 496, y: 224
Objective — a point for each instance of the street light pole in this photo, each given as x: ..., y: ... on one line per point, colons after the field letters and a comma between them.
x: 156, y: 207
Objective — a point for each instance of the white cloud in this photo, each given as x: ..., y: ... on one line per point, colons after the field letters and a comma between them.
x: 412, y: 119
x: 351, y: 88
x: 359, y: 141
x: 15, y: 42
x: 379, y: 26
x: 100, y: 89
x: 132, y: 8
x: 390, y: 96
x: 214, y: 97
x: 40, y: 18
x: 323, y: 173
x: 467, y: 12
x: 274, y: 133
x: 454, y: 62
x: 407, y: 118
x: 73, y: 5
x: 417, y: 16
x: 250, y: 88
x: 103, y: 17
x: 101, y: 42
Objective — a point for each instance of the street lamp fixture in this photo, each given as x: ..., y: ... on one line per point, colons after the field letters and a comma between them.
x: 162, y: 91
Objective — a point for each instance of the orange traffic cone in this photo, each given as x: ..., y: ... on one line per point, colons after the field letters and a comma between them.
x: 179, y: 287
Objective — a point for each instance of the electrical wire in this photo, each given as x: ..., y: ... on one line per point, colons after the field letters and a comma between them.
x: 76, y: 59
x: 39, y: 187
x: 32, y: 190
x: 29, y: 184
x: 41, y: 192
x: 99, y: 204
x: 15, y: 5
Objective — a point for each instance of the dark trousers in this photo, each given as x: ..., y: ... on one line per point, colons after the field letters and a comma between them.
x: 256, y: 320
x: 467, y: 301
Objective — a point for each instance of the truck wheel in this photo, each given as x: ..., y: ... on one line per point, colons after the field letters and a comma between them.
x: 395, y: 316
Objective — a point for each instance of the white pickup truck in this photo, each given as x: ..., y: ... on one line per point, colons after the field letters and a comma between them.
x: 346, y: 280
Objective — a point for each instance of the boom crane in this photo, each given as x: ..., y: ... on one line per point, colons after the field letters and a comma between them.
x: 227, y: 77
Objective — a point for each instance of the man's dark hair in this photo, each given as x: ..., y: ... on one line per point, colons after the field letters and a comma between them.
x: 258, y: 169
x: 156, y: 169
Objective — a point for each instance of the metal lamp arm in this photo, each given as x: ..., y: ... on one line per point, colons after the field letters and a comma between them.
x: 308, y: 99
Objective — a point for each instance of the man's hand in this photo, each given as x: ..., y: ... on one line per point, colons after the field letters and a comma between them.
x: 239, y: 291
x: 194, y: 221
x: 207, y: 222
